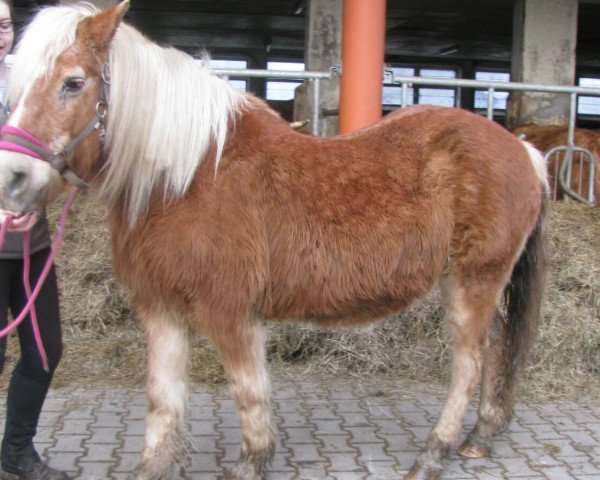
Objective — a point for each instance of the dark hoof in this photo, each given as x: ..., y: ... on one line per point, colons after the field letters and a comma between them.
x: 471, y: 449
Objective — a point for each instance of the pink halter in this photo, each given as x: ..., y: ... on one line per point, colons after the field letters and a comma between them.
x: 14, y: 139
x: 7, y: 144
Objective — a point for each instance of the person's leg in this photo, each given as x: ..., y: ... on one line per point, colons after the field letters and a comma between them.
x: 7, y: 267
x: 30, y: 381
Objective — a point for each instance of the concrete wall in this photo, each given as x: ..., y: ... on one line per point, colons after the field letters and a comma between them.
x: 544, y: 41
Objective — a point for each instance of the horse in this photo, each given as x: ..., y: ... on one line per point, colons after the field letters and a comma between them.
x: 224, y: 219
x: 546, y: 137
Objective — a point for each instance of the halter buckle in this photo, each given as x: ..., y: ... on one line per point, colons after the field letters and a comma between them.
x: 101, y: 109
x: 106, y: 73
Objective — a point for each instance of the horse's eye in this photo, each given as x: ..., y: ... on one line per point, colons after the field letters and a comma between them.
x: 73, y: 85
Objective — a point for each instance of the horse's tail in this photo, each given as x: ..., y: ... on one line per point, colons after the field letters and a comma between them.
x: 523, y: 295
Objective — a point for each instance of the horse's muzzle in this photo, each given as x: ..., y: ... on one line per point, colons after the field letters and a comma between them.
x: 23, y: 182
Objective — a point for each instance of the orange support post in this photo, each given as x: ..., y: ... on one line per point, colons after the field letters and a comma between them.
x: 363, y: 45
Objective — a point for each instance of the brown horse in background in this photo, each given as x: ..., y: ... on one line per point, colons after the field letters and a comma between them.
x: 546, y: 137
x: 224, y: 218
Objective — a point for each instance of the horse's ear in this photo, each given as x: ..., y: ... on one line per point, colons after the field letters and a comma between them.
x: 98, y: 31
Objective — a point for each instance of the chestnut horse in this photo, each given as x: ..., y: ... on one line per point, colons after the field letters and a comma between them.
x: 224, y: 218
x: 546, y: 137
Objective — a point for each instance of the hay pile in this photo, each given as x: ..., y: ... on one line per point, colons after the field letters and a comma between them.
x: 104, y: 344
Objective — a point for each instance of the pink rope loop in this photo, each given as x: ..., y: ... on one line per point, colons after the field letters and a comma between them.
x: 32, y: 313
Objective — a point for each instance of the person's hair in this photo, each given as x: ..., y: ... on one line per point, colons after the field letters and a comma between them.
x: 9, y: 4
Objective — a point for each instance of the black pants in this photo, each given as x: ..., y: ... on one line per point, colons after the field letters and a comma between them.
x: 29, y: 382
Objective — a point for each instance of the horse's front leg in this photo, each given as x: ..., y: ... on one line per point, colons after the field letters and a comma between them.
x: 242, y: 350
x: 167, y: 340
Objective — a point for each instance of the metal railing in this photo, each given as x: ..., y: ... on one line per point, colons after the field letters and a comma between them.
x: 492, y: 86
x: 564, y: 165
x: 406, y: 82
x: 314, y: 78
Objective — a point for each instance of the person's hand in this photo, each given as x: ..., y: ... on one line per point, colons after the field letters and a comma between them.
x: 20, y: 222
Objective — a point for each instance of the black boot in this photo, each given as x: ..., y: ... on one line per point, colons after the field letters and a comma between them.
x: 33, y: 471
x: 23, y: 407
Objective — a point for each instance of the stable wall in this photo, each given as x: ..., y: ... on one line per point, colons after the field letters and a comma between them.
x: 544, y: 42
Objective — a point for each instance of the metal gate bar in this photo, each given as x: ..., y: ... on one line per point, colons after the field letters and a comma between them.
x: 565, y: 158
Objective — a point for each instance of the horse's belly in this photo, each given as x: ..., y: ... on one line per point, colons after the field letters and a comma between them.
x: 350, y: 279
x: 339, y: 302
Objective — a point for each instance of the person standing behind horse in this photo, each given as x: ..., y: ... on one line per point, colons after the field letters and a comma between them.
x: 30, y: 380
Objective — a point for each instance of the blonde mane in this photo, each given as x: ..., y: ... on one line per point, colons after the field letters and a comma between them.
x: 166, y: 110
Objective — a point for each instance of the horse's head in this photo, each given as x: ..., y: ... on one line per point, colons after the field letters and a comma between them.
x: 58, y: 101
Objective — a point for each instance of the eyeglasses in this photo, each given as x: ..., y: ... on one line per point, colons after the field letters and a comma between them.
x: 6, y: 27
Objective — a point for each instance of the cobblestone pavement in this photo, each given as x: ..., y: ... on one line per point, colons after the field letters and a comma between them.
x: 339, y: 430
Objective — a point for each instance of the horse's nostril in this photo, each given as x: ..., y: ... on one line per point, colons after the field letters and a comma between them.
x: 16, y: 183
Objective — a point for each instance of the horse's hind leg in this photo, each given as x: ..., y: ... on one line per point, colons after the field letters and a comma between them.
x: 167, y: 340
x: 242, y: 349
x: 510, y: 342
x: 471, y: 305
x: 497, y: 393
